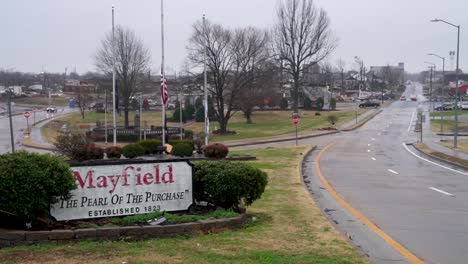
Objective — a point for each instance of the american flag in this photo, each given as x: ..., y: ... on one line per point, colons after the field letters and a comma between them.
x: 164, y: 93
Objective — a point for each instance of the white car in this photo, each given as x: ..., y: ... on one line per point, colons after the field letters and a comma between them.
x: 463, y: 105
x: 51, y: 109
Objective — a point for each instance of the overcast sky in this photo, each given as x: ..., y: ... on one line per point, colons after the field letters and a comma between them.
x: 54, y: 34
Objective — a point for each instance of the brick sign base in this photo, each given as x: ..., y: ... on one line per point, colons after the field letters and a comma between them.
x: 131, y: 233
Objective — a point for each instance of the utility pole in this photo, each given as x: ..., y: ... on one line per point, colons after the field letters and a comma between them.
x: 114, y: 122
x: 12, y: 136
x: 205, y: 83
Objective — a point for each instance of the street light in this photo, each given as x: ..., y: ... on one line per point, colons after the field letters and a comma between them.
x: 455, y: 135
x: 432, y: 67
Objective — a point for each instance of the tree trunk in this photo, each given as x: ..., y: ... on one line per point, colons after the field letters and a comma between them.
x: 296, y: 94
x: 248, y: 116
x: 126, y: 117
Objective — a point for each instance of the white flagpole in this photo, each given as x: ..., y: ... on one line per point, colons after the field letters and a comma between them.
x: 163, y: 75
x: 207, y: 119
x: 113, y: 82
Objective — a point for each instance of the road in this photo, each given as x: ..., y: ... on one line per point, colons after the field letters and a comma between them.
x: 422, y: 206
x: 19, y: 127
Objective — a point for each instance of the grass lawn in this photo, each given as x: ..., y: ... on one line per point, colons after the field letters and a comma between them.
x: 448, y: 113
x: 449, y: 126
x: 290, y: 229
x: 60, y: 101
x: 462, y: 145
x: 265, y: 123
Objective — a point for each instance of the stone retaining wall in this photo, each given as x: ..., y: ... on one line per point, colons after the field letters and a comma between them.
x: 131, y: 233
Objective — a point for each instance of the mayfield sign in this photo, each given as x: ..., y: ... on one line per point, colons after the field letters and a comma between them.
x: 127, y: 189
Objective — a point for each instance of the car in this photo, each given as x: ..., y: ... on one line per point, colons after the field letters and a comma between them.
x: 402, y: 98
x: 463, y: 105
x: 51, y: 109
x: 413, y: 98
x: 170, y: 106
x: 369, y: 103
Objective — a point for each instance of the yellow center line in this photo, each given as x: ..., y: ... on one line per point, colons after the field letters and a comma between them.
x: 392, y: 242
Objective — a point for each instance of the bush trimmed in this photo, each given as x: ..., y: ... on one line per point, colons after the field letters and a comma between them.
x: 182, y: 150
x: 151, y: 146
x: 88, y: 152
x: 30, y: 183
x: 216, y: 151
x: 133, y: 150
x: 230, y: 185
x: 114, y: 152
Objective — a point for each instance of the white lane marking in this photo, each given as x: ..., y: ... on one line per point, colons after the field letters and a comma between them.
x: 411, y: 122
x: 374, y: 159
x: 437, y: 164
x: 392, y: 171
x: 444, y: 192
x: 373, y: 139
x: 368, y: 144
x: 368, y: 150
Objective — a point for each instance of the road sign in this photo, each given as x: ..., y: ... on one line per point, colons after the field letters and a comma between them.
x: 27, y: 114
x: 295, y: 118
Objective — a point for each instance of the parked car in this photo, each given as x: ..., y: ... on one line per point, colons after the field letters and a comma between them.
x: 402, y: 98
x: 369, y: 103
x: 463, y: 105
x: 170, y: 106
x: 51, y: 109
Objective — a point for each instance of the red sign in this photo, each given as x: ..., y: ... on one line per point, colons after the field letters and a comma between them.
x: 296, y: 120
x: 27, y: 114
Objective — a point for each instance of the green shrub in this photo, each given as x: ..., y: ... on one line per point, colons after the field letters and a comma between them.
x: 319, y: 104
x: 114, y: 152
x: 230, y: 185
x: 200, y: 115
x: 30, y: 183
x: 151, y: 146
x: 184, y: 141
x: 198, y: 102
x: 88, y: 152
x: 284, y: 103
x: 189, y: 109
x: 133, y: 150
x: 333, y: 104
x: 307, y: 103
x: 176, y: 115
x: 182, y: 150
x: 216, y: 151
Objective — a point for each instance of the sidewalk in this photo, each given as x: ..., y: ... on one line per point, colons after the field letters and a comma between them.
x: 36, y: 140
x: 432, y: 140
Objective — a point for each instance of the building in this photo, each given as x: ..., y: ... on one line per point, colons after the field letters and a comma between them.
x: 75, y: 86
x: 394, y: 75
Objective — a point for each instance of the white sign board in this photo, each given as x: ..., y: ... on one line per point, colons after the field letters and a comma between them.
x: 127, y: 189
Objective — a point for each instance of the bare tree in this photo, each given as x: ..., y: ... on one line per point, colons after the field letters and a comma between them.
x: 341, y: 68
x: 84, y: 98
x: 302, y: 38
x: 214, y: 42
x: 131, y: 63
x: 250, y: 54
x: 391, y: 76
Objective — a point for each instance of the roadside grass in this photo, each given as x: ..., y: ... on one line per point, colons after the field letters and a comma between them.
x: 462, y: 145
x: 449, y: 126
x: 289, y: 228
x: 448, y: 113
x: 426, y: 149
x: 44, y: 101
x: 265, y: 123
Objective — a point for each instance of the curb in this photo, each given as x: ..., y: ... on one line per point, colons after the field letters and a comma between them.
x: 362, y: 122
x: 127, y: 233
x: 438, y: 158
x: 282, y: 139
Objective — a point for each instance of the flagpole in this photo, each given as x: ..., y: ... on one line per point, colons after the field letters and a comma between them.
x: 205, y: 91
x: 113, y: 82
x: 163, y: 76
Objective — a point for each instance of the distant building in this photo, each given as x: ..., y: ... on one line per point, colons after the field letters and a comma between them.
x: 382, y: 72
x: 75, y: 86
